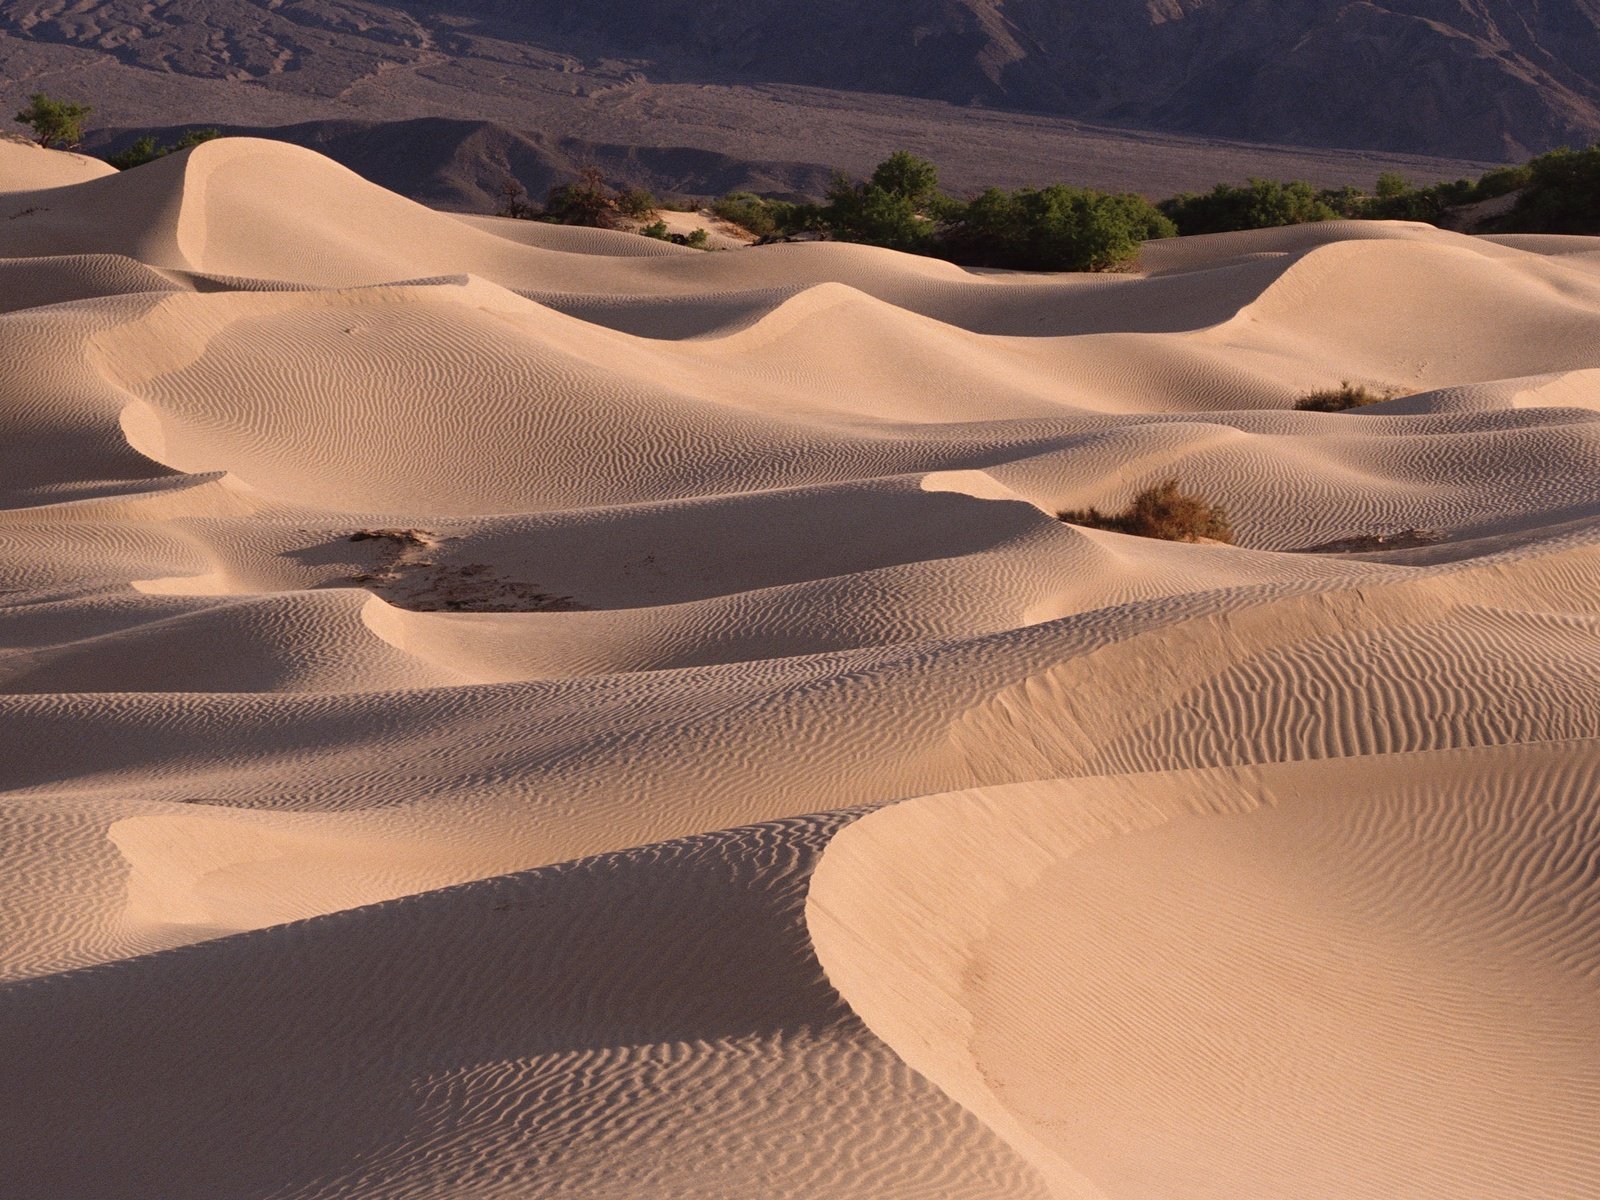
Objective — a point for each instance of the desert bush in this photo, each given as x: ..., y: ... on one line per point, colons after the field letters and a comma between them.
x: 908, y: 177
x: 637, y: 202
x: 1346, y: 396
x: 1163, y: 511
x: 56, y: 124
x: 867, y: 213
x: 751, y: 212
x: 1502, y: 181
x: 1562, y: 195
x: 586, y: 201
x: 1395, y: 199
x: 1259, y: 204
x: 1058, y: 228
x: 658, y: 229
x: 145, y: 149
x: 514, y: 202
x: 900, y: 206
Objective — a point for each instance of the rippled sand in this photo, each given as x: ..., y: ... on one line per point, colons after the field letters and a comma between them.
x: 495, y: 710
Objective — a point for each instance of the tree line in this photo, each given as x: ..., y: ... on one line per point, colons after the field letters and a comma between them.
x: 1065, y: 228
x: 1061, y: 227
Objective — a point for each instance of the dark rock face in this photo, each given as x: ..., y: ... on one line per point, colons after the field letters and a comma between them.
x: 1469, y: 78
x: 462, y: 165
x: 1484, y: 79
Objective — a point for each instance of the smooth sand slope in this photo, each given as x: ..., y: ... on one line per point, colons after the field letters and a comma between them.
x: 496, y: 711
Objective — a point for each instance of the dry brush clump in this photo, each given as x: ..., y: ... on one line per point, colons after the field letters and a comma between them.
x: 1163, y: 511
x: 1342, y: 398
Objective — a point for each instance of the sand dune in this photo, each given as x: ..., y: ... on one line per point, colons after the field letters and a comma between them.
x: 1371, y: 977
x: 493, y: 710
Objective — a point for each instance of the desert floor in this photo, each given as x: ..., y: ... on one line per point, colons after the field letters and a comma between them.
x: 494, y: 710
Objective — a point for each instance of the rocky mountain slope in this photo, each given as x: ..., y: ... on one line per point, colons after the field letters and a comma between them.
x: 1482, y: 79
x: 463, y: 165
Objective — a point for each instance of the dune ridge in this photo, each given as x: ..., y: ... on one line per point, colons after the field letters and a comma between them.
x: 519, y: 716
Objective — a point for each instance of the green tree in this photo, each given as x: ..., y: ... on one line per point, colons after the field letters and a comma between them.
x: 868, y: 213
x: 899, y: 206
x: 142, y: 150
x: 1562, y: 195
x: 749, y: 211
x: 586, y: 201
x: 907, y: 177
x: 145, y: 149
x: 1502, y: 181
x: 1392, y: 184
x: 637, y: 202
x: 1259, y: 204
x: 55, y: 123
x: 1058, y: 228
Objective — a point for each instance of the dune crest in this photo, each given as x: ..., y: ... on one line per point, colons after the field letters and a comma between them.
x: 505, y: 712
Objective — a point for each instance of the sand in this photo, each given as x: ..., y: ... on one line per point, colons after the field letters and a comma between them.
x: 502, y: 711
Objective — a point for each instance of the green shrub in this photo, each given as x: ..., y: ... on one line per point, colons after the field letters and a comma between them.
x: 908, y: 177
x: 1345, y: 202
x: 898, y: 207
x: 1259, y: 204
x: 586, y: 201
x: 637, y: 202
x: 142, y: 151
x: 1163, y: 511
x: 658, y: 230
x: 1058, y: 228
x: 748, y: 211
x: 1396, y: 200
x: 1346, y: 396
x: 194, y: 137
x: 146, y: 150
x: 1392, y: 184
x: 55, y: 123
x: 1502, y: 181
x: 1562, y: 195
x: 871, y: 214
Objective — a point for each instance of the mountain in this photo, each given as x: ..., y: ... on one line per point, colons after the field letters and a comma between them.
x: 1461, y: 77
x: 463, y: 165
x: 1473, y: 78
x: 1467, y: 79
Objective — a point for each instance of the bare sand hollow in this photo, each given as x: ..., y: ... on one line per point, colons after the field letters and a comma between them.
x: 502, y: 711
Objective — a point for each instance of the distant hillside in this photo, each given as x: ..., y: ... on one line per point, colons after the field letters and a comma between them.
x: 1481, y: 79
x: 461, y: 165
x: 1472, y: 78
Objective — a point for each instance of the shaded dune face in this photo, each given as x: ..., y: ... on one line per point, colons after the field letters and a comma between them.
x: 521, y: 717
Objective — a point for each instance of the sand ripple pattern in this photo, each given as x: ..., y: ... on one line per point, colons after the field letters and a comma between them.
x: 493, y: 712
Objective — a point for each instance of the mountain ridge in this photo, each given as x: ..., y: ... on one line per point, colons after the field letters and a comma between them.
x: 1485, y: 80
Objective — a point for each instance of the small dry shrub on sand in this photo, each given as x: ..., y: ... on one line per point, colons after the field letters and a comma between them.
x: 1164, y: 511
x: 1346, y: 396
